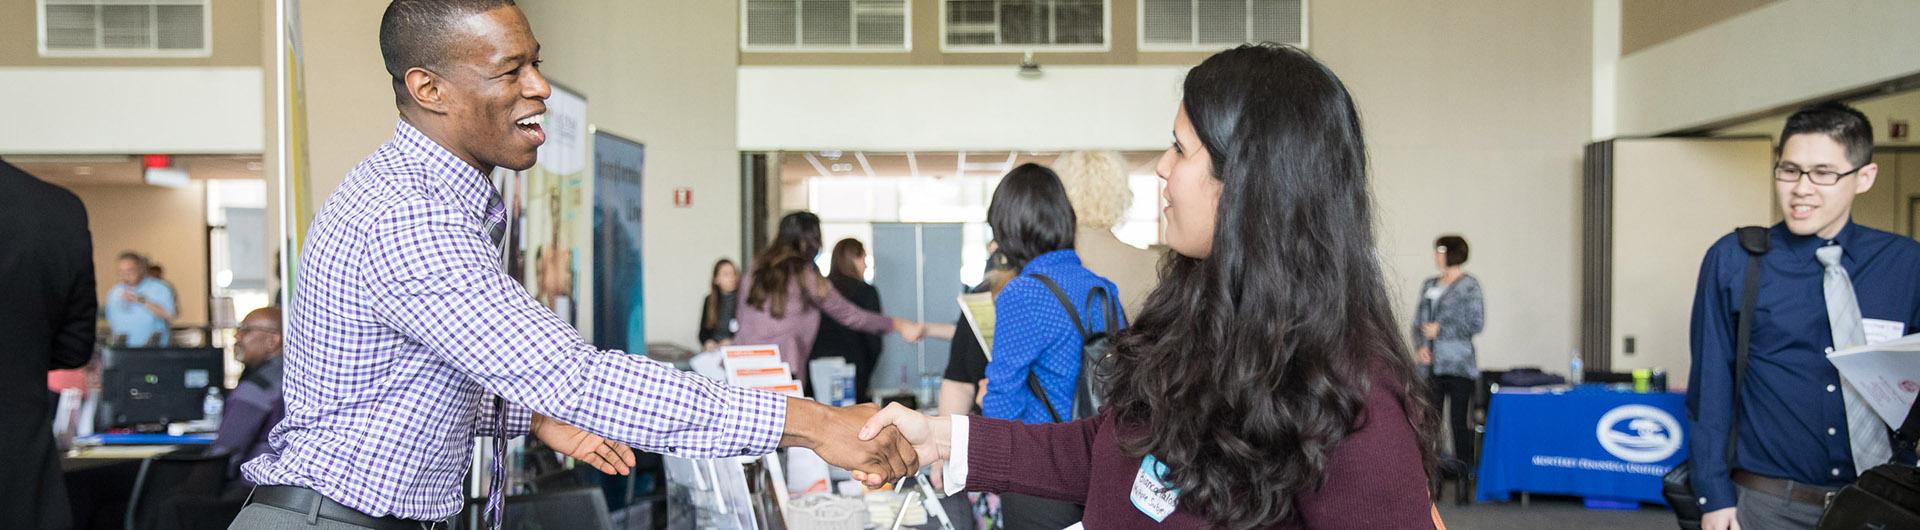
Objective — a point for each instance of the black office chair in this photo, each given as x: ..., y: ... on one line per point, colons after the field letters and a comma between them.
x: 198, y: 471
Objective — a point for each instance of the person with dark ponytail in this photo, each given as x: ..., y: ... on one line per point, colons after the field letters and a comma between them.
x: 786, y: 296
x: 1264, y: 383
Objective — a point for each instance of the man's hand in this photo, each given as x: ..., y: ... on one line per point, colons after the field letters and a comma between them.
x: 130, y: 296
x: 608, y: 456
x: 835, y: 435
x: 1721, y: 519
x: 1431, y: 330
x: 931, y: 437
x: 1426, y: 355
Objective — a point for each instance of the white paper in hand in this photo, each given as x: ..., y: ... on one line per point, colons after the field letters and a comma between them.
x: 1886, y: 374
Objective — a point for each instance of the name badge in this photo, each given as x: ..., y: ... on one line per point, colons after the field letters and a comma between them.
x: 1152, y: 495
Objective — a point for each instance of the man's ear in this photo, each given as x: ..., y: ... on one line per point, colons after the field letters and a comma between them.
x: 427, y: 90
x: 1867, y: 175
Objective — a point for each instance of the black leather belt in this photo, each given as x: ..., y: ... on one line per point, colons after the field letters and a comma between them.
x: 1786, y: 489
x: 313, y: 504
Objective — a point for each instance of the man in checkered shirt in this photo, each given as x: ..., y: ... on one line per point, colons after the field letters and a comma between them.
x: 403, y: 329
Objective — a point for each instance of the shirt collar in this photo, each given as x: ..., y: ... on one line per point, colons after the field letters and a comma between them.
x: 1799, y: 244
x: 1056, y: 258
x: 447, y: 177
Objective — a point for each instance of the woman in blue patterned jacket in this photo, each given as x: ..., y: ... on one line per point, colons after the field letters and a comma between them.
x: 1450, y: 313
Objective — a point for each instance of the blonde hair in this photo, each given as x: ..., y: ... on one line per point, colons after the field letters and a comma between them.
x: 1096, y: 183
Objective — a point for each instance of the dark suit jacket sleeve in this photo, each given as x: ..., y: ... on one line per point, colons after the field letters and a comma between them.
x: 869, y: 298
x: 73, y: 343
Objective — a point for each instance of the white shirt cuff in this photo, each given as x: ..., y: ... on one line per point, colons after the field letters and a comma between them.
x: 954, y: 476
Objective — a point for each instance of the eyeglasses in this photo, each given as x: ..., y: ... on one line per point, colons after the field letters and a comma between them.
x: 1822, y: 177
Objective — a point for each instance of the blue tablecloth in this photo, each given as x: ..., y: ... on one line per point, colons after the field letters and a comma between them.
x: 1587, y: 441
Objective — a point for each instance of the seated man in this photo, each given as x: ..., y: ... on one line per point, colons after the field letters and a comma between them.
x: 255, y: 406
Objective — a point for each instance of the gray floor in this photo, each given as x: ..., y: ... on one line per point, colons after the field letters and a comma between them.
x: 1557, y: 513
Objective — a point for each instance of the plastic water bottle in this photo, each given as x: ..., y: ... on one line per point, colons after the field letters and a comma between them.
x: 1574, y: 369
x: 213, y: 404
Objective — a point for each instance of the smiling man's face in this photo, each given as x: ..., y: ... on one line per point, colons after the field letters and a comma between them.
x: 1814, y: 209
x: 496, y: 96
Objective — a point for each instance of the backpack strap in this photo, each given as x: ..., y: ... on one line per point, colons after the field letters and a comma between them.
x: 1754, y: 240
x: 1065, y: 303
x: 1033, y: 379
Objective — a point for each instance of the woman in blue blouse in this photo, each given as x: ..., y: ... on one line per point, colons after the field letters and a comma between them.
x: 1033, y: 224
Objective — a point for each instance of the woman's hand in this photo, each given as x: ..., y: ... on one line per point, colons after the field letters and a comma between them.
x: 1426, y: 355
x: 931, y: 436
x: 909, y: 330
x: 1431, y: 330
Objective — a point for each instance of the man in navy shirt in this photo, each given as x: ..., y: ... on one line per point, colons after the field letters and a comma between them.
x: 1794, y: 442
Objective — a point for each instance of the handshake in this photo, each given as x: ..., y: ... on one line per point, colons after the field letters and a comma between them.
x: 876, y: 445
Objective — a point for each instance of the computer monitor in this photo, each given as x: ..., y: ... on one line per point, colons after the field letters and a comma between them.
x: 148, y: 386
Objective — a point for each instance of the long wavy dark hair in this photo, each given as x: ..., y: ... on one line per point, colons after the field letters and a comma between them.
x: 786, y: 259
x: 1246, y: 368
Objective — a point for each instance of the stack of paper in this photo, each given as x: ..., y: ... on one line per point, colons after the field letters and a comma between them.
x: 759, y: 367
x: 1887, y: 375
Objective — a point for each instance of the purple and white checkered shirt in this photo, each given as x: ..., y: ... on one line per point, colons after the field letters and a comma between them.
x: 403, y: 326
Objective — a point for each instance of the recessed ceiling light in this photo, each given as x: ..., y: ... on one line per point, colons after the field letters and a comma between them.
x: 253, y: 166
x: 83, y: 170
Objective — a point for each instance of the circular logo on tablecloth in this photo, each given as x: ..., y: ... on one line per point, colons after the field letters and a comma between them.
x: 1910, y: 387
x: 1639, y: 433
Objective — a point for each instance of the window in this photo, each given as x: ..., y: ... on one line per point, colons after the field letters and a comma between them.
x: 1004, y: 25
x: 120, y: 28
x: 1186, y: 25
x: 824, y: 25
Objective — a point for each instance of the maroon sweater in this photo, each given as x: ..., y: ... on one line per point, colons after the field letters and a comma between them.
x: 1374, y: 478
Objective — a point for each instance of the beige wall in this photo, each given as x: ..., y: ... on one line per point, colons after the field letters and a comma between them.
x: 1741, y: 67
x: 1672, y: 198
x: 350, y: 108
x: 1475, y: 115
x: 1900, y: 173
x: 662, y: 73
x: 167, y: 225
x: 926, y: 38
x: 237, y: 37
x: 1644, y: 23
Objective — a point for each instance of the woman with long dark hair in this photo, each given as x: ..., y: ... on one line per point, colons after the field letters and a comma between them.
x: 717, y: 322
x: 847, y: 272
x: 786, y: 296
x: 1264, y: 384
